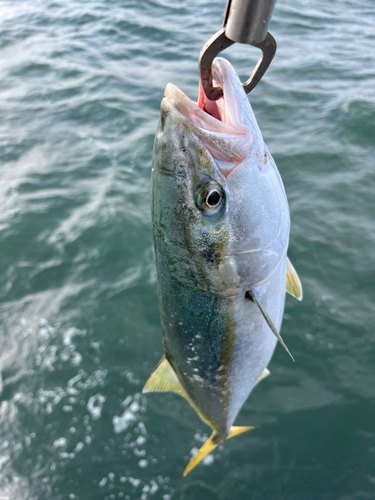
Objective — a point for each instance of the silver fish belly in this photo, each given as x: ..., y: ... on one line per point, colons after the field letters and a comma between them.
x: 221, y: 232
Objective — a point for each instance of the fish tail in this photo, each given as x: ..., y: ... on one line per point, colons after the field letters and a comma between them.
x: 210, y: 445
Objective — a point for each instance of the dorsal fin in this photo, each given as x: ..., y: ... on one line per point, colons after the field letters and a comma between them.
x: 164, y: 379
x: 293, y: 284
x: 250, y: 294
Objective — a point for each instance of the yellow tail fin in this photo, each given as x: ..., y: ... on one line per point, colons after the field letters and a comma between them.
x: 210, y: 445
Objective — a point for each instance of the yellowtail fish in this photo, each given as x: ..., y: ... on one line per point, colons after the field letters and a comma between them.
x: 221, y: 233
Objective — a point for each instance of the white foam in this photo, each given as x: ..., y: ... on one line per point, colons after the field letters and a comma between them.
x: 121, y: 423
x: 133, y: 405
x: 95, y: 405
x: 59, y: 442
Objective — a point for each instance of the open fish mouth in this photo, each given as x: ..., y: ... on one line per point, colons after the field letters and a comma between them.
x: 224, y: 126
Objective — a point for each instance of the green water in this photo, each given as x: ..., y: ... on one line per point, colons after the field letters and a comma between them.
x: 80, y: 88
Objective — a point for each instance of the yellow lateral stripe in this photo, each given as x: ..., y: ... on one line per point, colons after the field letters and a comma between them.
x: 293, y: 284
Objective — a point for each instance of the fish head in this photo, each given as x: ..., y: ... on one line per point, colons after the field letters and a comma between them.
x: 220, y: 214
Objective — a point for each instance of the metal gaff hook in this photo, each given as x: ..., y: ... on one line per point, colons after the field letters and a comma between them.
x: 245, y: 21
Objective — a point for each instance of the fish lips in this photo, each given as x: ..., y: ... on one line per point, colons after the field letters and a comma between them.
x: 229, y: 150
x: 229, y: 140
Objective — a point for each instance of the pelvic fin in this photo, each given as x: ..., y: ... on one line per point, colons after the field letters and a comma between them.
x: 293, y: 284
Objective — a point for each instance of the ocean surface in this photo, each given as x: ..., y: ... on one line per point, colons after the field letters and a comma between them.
x: 80, y: 87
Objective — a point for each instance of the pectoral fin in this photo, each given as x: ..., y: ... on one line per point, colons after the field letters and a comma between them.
x: 210, y: 445
x: 250, y: 294
x: 164, y: 379
x: 293, y: 284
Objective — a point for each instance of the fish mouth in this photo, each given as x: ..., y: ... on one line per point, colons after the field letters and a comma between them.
x: 227, y: 127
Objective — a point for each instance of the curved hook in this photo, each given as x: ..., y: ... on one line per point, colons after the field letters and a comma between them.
x: 220, y: 42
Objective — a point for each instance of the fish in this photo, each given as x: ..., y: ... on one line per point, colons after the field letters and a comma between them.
x: 221, y: 227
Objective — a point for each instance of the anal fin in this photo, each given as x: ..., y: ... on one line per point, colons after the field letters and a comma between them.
x: 263, y: 375
x: 292, y: 282
x: 210, y: 445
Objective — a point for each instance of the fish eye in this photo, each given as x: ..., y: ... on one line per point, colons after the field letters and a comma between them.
x: 210, y: 198
x: 213, y: 198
